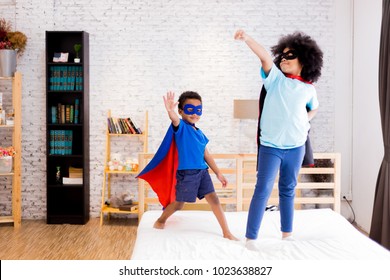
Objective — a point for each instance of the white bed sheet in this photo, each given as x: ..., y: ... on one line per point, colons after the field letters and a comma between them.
x: 196, y: 235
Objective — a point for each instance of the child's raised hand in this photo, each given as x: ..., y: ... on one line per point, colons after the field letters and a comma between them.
x: 240, y: 35
x: 169, y: 101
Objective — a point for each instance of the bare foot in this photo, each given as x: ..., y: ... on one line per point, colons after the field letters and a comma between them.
x: 159, y: 225
x: 230, y: 237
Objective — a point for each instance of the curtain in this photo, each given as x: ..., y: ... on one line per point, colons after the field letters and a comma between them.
x: 380, y: 223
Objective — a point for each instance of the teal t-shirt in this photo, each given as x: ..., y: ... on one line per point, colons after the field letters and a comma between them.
x: 191, y: 144
x: 284, y: 121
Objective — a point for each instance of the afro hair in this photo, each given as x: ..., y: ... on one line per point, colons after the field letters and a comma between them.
x: 309, y: 54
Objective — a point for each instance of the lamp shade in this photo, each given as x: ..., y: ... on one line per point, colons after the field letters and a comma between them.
x: 246, y: 108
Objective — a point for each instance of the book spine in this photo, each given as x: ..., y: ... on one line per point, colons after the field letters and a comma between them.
x: 59, y: 113
x: 109, y: 125
x: 67, y: 113
x: 76, y: 110
x: 62, y: 113
x: 129, y: 126
x: 70, y: 150
x: 51, y: 143
x: 71, y: 119
x: 73, y: 78
x: 62, y: 142
x: 51, y: 79
x: 55, y: 142
x: 53, y: 114
x: 133, y: 125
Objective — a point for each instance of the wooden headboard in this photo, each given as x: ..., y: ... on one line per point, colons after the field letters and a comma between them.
x: 318, y: 186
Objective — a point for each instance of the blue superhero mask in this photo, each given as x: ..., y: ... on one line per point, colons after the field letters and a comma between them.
x: 190, y: 109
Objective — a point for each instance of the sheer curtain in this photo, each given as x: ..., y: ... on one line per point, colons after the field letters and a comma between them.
x: 380, y: 224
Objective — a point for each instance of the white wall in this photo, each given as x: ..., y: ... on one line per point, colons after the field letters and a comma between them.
x: 367, y: 137
x: 343, y: 93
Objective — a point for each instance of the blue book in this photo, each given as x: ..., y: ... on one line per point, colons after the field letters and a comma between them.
x: 63, y: 143
x: 76, y: 110
x: 55, y: 142
x: 51, y: 143
x: 70, y: 141
x: 53, y: 114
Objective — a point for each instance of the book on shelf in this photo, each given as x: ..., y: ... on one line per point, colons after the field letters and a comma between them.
x: 60, y: 142
x: 54, y: 114
x: 66, y: 78
x: 134, y: 128
x: 63, y: 110
x: 72, y: 181
x: 129, y: 207
x: 76, y: 110
x: 122, y: 126
x: 65, y: 113
x: 71, y: 113
x: 137, y: 127
x: 59, y: 113
x: 117, y: 127
x: 131, y: 128
x: 75, y: 172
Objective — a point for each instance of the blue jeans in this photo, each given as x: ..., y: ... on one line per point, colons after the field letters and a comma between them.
x: 270, y: 161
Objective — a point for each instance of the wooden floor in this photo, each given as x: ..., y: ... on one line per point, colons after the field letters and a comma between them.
x: 36, y: 240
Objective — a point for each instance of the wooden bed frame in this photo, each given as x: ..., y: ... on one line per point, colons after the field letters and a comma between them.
x: 240, y: 171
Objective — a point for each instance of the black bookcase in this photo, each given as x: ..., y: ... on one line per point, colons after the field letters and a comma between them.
x: 67, y: 128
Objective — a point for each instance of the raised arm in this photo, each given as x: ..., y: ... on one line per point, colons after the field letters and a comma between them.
x: 211, y: 163
x: 170, y: 105
x: 259, y: 50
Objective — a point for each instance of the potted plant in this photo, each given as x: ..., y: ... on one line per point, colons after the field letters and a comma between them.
x: 12, y: 44
x: 6, y: 155
x: 77, y: 48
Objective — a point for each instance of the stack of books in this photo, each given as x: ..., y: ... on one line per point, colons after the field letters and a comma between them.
x: 75, y: 172
x: 75, y: 176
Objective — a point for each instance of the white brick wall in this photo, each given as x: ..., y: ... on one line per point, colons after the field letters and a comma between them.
x: 141, y: 49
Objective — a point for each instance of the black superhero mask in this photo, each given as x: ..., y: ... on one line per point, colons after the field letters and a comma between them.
x: 289, y: 55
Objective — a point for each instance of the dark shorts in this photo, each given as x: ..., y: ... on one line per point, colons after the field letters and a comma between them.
x: 192, y: 184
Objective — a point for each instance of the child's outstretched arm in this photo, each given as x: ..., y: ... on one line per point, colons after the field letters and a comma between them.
x: 170, y: 105
x: 211, y: 163
x: 259, y: 50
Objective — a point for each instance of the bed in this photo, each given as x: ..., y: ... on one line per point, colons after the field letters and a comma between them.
x: 320, y: 232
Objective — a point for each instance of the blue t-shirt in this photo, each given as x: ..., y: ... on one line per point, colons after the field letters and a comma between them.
x: 191, y: 144
x: 284, y: 121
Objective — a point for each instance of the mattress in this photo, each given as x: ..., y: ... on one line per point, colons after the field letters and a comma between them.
x: 320, y: 234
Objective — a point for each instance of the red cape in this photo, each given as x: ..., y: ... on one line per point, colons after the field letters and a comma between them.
x: 160, y: 172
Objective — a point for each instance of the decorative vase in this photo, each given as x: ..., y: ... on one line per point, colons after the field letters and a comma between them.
x: 58, y: 174
x: 77, y: 60
x: 7, y: 63
x: 5, y: 164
